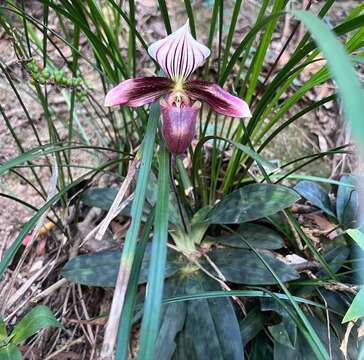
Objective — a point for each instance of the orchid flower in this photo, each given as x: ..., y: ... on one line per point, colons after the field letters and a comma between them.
x: 178, y: 55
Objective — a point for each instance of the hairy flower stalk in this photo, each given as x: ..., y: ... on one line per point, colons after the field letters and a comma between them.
x: 178, y: 55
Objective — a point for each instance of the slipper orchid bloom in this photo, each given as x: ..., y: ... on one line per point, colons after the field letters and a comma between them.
x: 179, y: 54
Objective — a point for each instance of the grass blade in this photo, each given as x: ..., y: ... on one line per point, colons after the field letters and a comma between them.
x: 127, y: 257
x: 130, y: 297
x: 165, y: 16
x: 153, y: 302
x: 341, y: 68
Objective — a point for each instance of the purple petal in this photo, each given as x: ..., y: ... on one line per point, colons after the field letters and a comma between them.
x: 220, y: 100
x: 138, y: 91
x: 178, y: 126
x: 179, y: 54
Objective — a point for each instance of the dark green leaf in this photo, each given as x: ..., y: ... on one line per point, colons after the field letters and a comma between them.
x: 258, y: 236
x: 211, y: 330
x: 244, y: 267
x: 101, y: 268
x: 99, y: 197
x: 252, y: 202
x: 347, y: 203
x: 335, y: 254
x: 37, y: 319
x: 284, y: 352
x: 10, y: 352
x: 260, y: 348
x: 316, y: 195
x: 303, y: 350
x: 286, y: 331
x: 337, y: 301
x: 171, y: 324
x: 252, y: 324
x: 172, y: 320
x: 103, y: 198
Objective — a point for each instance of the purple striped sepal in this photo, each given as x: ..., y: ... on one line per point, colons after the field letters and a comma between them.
x: 179, y: 54
x: 139, y: 91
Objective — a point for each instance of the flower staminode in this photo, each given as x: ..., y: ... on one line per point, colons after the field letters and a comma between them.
x: 178, y: 55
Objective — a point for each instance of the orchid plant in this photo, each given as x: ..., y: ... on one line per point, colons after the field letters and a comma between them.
x: 178, y: 55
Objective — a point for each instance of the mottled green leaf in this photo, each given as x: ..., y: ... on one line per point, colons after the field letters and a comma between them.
x: 37, y: 319
x: 171, y: 323
x: 10, y: 352
x: 101, y: 198
x: 251, y: 325
x: 285, y: 332
x: 101, y: 268
x: 242, y: 266
x: 211, y: 330
x: 259, y: 348
x: 252, y: 202
x: 348, y: 204
x: 258, y: 236
x: 284, y: 352
x: 316, y: 195
x: 303, y: 351
x: 335, y: 253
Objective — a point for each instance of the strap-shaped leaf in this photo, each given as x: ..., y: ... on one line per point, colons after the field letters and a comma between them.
x: 103, y: 198
x: 37, y: 319
x: 252, y: 324
x: 285, y: 332
x: 252, y: 202
x: 348, y: 203
x: 302, y: 349
x: 211, y: 329
x: 172, y: 320
x: 101, y: 268
x: 316, y: 195
x: 242, y: 266
x: 258, y: 236
x: 10, y: 352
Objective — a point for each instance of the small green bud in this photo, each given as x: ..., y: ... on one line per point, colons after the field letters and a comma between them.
x: 77, y: 81
x: 58, y: 76
x: 46, y: 73
x: 41, y: 80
